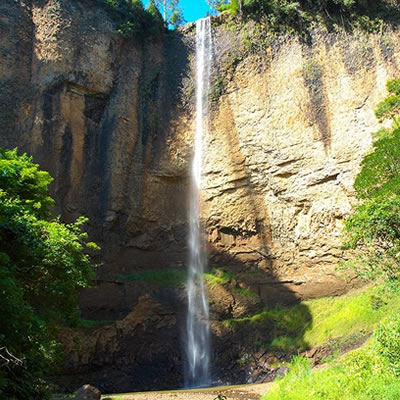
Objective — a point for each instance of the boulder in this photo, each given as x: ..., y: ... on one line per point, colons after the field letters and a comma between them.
x: 88, y: 392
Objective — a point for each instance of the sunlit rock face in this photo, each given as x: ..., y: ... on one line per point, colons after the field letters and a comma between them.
x: 113, y: 121
x: 288, y: 134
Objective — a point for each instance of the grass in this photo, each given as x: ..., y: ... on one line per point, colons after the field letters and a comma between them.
x: 362, y: 374
x: 370, y: 372
x: 114, y: 398
x: 174, y: 277
x: 345, y: 316
x: 247, y: 293
x: 315, y: 322
x: 91, y: 323
x: 218, y: 277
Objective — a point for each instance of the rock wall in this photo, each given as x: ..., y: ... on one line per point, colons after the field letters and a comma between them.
x: 113, y: 121
x: 100, y: 113
x: 289, y: 129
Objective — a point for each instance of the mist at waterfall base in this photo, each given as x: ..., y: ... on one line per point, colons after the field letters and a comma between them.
x: 197, y: 369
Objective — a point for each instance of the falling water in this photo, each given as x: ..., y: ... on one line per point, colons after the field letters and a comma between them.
x: 198, y: 330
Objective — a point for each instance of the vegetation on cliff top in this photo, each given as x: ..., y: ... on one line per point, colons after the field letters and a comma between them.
x: 134, y: 20
x: 43, y: 264
x: 301, y: 15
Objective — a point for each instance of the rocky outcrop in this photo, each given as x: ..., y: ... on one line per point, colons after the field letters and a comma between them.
x: 112, y: 120
x: 141, y: 351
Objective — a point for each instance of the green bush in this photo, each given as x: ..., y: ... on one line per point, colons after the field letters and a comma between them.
x: 43, y: 264
x: 374, y: 228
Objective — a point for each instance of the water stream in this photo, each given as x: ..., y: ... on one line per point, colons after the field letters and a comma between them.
x: 197, y: 372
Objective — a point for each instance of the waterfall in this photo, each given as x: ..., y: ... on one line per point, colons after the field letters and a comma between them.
x: 197, y: 324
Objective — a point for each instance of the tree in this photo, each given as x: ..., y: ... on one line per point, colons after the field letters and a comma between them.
x: 374, y: 228
x: 43, y: 264
x: 216, y: 5
x: 171, y: 11
x: 133, y: 20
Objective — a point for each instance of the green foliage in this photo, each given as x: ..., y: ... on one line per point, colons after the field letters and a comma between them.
x: 375, y: 231
x: 300, y: 15
x: 361, y: 375
x: 157, y: 26
x: 25, y: 182
x: 388, y: 341
x: 176, y: 277
x: 218, y: 276
x: 177, y: 18
x: 372, y: 371
x: 380, y: 173
x: 315, y: 322
x: 246, y: 293
x: 172, y: 12
x: 133, y: 20
x: 390, y: 106
x: 283, y: 327
x: 233, y: 7
x: 42, y: 266
x: 217, y: 5
x: 374, y: 228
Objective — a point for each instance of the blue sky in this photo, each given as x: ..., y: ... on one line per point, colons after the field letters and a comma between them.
x: 192, y: 9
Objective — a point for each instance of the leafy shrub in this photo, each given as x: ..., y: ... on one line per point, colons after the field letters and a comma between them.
x: 43, y: 264
x: 374, y: 228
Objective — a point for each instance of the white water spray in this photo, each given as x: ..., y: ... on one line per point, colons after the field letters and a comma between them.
x: 197, y: 326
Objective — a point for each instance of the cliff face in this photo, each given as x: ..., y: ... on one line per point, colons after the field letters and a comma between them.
x: 288, y: 134
x: 113, y: 120
x: 100, y: 114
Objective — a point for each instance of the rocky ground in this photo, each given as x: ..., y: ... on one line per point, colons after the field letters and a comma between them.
x: 243, y: 392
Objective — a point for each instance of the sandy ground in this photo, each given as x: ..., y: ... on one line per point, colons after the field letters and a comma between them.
x: 243, y: 392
